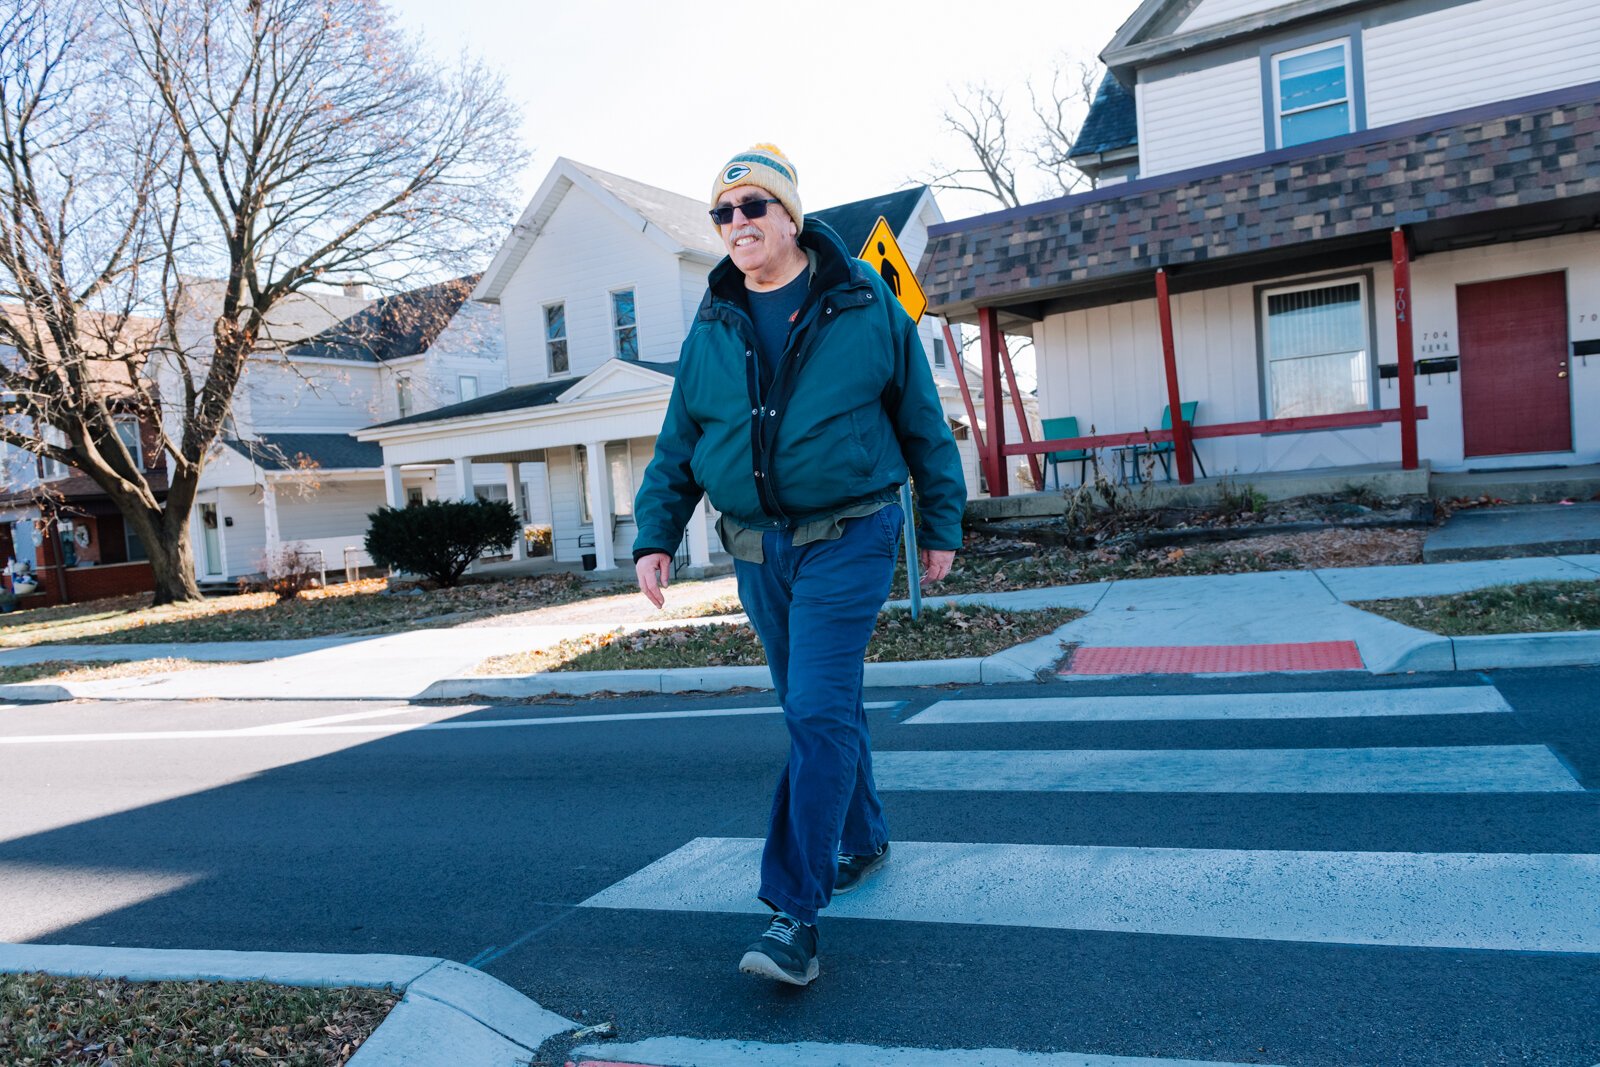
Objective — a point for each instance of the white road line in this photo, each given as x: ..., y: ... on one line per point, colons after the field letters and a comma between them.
x: 300, y: 724
x: 301, y: 730
x: 694, y: 1052
x: 1505, y: 901
x: 1454, y: 700
x: 1446, y: 769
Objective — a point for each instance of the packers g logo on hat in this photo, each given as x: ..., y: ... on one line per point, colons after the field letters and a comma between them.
x: 734, y: 173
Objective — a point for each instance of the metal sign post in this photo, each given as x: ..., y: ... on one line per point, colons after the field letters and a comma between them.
x: 913, y: 574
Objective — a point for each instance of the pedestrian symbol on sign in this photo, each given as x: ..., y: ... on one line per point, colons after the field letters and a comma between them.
x: 884, y: 256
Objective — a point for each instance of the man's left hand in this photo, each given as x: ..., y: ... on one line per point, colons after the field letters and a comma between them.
x: 935, y: 562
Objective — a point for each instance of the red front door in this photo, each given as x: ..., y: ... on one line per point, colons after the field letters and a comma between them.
x: 1515, y: 396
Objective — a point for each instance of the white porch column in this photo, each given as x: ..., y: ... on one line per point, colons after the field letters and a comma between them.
x: 699, y: 539
x: 269, y: 509
x: 394, y: 489
x: 464, y: 479
x: 519, y: 546
x: 600, y: 506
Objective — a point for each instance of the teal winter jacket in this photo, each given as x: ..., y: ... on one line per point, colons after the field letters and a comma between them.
x: 850, y: 411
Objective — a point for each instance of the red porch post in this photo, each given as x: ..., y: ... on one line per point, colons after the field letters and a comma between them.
x: 966, y: 393
x: 1182, y: 445
x: 989, y: 342
x: 1402, y: 336
x: 1035, y: 465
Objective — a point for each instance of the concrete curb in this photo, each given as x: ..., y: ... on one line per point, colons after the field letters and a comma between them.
x: 1493, y: 651
x: 449, y: 1013
x: 1021, y: 663
x: 1489, y: 652
x: 37, y: 692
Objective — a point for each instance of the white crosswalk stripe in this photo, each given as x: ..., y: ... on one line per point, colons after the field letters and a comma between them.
x: 1495, y: 901
x: 1451, y: 700
x: 1448, y: 769
x: 690, y: 1052
x: 1440, y: 900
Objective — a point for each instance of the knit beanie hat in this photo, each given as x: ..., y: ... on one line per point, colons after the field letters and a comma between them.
x: 765, y: 167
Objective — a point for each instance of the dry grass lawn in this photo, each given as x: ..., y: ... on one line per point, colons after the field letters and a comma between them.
x: 941, y: 633
x: 58, y: 670
x: 47, y: 1021
x: 361, y: 606
x: 1531, y: 608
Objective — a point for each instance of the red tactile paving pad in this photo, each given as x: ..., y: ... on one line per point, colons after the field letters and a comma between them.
x: 1217, y: 659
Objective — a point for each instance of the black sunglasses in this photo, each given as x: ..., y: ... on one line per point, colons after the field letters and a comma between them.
x: 753, y: 209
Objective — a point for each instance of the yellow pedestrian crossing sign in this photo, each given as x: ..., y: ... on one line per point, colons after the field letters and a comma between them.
x: 884, y: 256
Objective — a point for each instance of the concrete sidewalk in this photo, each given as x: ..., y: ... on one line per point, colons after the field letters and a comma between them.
x: 1221, y: 610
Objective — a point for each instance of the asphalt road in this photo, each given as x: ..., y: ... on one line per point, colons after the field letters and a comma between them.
x: 344, y: 828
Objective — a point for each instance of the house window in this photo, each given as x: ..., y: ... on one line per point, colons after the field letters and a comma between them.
x: 619, y: 461
x: 1311, y: 89
x: 134, y: 546
x: 413, y: 496
x: 938, y: 351
x: 1317, y: 355
x: 50, y: 468
x: 128, y: 433
x: 625, y: 323
x: 467, y: 386
x: 402, y: 395
x: 555, y: 337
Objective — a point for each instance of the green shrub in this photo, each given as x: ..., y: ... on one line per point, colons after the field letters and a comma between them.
x: 440, y: 538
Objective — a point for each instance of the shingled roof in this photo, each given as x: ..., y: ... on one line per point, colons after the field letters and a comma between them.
x: 405, y: 324
x: 1501, y: 169
x: 1112, y: 122
x: 853, y: 222
x: 302, y: 451
x: 517, y: 398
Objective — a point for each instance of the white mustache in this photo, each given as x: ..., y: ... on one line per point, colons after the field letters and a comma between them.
x: 747, y: 231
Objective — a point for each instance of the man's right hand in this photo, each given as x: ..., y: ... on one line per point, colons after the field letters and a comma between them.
x: 653, y: 571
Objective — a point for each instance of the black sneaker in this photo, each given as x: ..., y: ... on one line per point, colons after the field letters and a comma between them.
x: 854, y: 869
x: 787, y: 952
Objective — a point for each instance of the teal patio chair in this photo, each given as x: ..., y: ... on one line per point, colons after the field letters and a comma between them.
x: 1060, y: 429
x: 1163, y: 450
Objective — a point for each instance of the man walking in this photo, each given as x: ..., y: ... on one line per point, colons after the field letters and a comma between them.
x: 802, y: 402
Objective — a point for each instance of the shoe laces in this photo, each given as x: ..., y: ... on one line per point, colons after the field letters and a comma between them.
x: 782, y: 929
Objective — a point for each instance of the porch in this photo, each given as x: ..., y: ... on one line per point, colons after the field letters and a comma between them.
x: 1155, y: 293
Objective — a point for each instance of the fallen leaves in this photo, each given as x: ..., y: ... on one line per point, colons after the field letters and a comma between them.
x: 47, y: 1021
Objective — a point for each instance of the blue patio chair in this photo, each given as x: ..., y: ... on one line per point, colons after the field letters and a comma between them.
x: 1060, y: 429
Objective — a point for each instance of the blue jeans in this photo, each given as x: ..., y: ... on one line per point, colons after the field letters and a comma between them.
x: 814, y: 608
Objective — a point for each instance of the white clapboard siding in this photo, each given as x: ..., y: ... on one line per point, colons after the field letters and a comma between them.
x: 1477, y: 53
x: 311, y: 397
x: 329, y: 509
x: 584, y: 252
x: 1104, y: 366
x: 1211, y: 12
x: 1200, y: 117
x: 245, y: 541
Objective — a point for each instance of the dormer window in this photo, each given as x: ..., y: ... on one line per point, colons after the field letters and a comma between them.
x: 1312, y: 93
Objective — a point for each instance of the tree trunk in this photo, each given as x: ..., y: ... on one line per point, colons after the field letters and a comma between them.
x: 173, y: 563
x: 166, y: 542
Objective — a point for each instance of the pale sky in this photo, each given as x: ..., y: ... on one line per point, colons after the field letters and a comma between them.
x: 665, y: 92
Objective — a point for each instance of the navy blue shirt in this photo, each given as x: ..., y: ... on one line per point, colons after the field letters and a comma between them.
x: 773, y: 312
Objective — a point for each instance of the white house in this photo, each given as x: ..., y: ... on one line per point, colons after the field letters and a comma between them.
x: 289, y: 471
x: 1283, y: 165
x: 597, y: 286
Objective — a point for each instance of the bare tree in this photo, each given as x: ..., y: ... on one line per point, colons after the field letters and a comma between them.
x: 985, y: 128
x: 1060, y: 112
x: 269, y: 144
x: 977, y: 116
